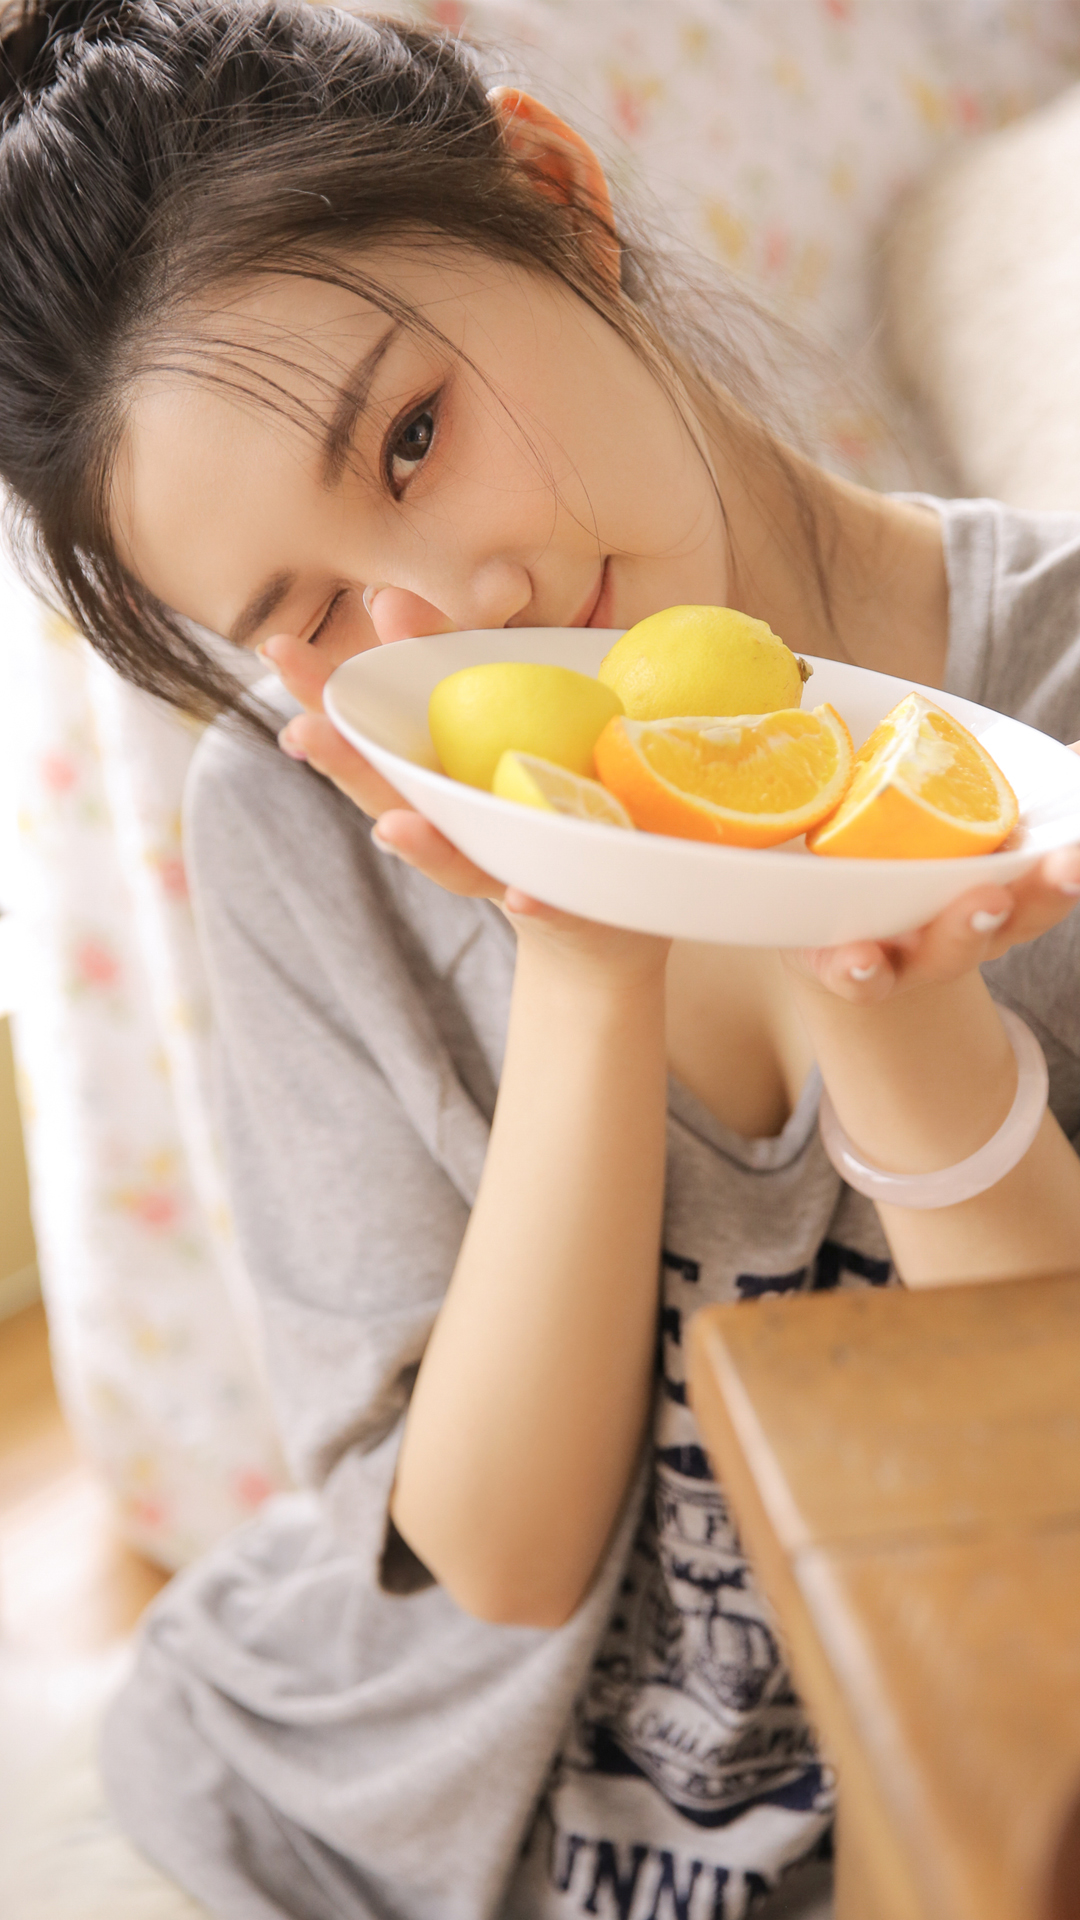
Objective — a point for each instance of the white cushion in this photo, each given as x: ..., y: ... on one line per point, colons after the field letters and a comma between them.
x: 984, y: 304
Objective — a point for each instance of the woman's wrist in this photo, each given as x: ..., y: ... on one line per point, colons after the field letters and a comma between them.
x: 918, y: 1082
x: 964, y: 1179
x: 611, y: 971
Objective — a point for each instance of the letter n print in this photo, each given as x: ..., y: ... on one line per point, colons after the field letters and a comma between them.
x: 623, y: 1886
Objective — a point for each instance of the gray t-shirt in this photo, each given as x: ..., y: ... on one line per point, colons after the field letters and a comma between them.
x: 315, y: 1729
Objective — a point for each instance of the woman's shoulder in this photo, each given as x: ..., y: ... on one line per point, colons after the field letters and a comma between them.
x: 238, y: 772
x: 267, y: 839
x: 251, y: 811
x: 1014, y: 610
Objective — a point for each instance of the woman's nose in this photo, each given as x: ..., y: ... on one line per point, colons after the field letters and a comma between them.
x: 497, y: 591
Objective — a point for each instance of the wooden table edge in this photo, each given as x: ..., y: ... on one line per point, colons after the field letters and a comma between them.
x: 727, y: 1422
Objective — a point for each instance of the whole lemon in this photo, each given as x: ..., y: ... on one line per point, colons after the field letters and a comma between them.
x: 553, y: 712
x: 702, y: 660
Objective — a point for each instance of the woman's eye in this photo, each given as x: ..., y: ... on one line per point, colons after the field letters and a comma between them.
x: 410, y: 444
x: 328, y: 617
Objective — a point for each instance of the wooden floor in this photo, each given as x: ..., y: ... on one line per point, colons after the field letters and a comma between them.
x: 68, y: 1583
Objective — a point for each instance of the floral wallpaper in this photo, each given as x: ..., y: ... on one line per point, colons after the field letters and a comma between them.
x: 777, y: 138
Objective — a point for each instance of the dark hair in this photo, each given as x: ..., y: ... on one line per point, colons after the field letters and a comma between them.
x: 151, y: 150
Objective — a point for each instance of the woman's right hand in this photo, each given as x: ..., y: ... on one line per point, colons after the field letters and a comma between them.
x: 305, y: 668
x: 311, y: 736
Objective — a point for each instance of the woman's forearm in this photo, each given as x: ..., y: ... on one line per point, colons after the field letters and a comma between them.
x: 921, y: 1081
x: 530, y: 1406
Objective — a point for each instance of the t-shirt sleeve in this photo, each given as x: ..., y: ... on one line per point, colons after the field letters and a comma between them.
x: 1014, y: 645
x: 1014, y: 612
x: 348, y: 1224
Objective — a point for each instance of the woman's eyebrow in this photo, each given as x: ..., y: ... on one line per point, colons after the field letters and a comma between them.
x: 259, y: 608
x: 350, y: 405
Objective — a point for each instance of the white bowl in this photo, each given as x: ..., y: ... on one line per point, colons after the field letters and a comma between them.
x: 734, y: 896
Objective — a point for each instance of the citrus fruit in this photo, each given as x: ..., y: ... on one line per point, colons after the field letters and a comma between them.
x: 923, y: 789
x: 540, y: 783
x: 749, y: 781
x: 475, y: 715
x: 702, y: 660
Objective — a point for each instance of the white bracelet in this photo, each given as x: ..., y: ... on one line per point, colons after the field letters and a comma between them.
x: 949, y: 1185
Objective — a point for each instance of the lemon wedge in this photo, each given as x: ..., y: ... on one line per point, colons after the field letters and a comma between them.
x: 533, y: 782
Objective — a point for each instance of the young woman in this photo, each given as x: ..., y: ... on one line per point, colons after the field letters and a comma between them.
x: 308, y: 339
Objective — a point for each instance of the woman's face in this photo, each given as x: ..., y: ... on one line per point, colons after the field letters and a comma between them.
x: 524, y: 470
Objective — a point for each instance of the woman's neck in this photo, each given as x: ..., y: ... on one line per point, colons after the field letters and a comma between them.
x: 882, y: 561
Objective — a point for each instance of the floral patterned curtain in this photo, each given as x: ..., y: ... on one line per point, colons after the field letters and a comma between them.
x: 150, y: 1317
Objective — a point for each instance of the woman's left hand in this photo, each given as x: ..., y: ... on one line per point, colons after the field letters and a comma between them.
x: 978, y: 927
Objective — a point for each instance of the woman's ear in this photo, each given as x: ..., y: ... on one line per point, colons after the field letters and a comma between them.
x: 568, y: 169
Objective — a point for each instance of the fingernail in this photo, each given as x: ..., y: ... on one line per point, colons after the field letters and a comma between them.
x: 862, y: 973
x: 983, y: 922
x: 290, y: 745
x: 383, y: 845
x: 368, y: 595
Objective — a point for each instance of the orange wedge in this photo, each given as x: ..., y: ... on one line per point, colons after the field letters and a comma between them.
x: 923, y: 789
x: 747, y: 781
